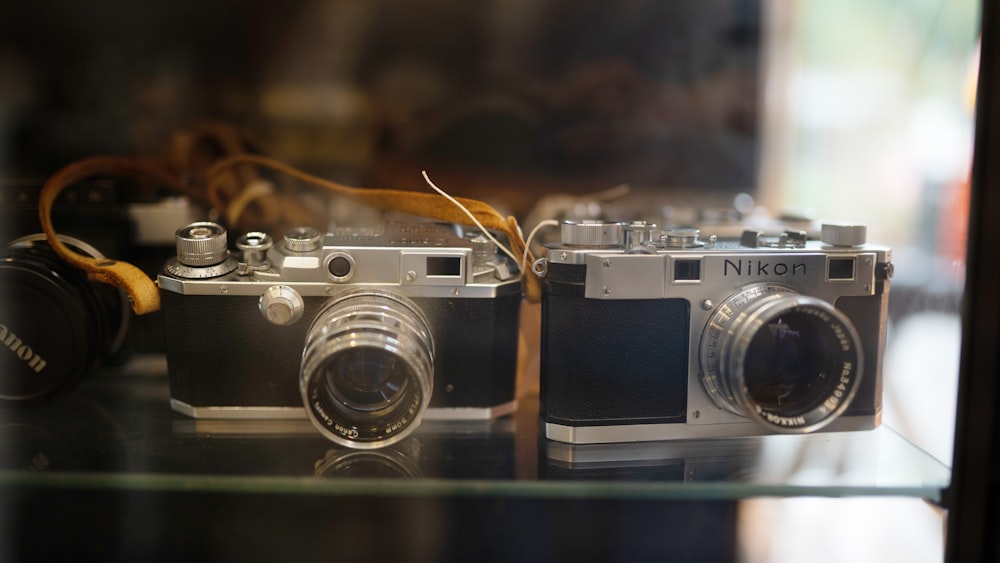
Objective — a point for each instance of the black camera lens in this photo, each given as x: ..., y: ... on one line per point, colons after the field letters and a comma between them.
x: 55, y: 325
x: 790, y: 362
x: 367, y: 368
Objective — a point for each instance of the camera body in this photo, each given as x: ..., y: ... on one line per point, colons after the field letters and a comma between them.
x: 657, y: 336
x: 423, y: 310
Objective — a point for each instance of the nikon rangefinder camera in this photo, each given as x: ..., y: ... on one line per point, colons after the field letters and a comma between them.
x: 650, y: 335
x: 368, y: 330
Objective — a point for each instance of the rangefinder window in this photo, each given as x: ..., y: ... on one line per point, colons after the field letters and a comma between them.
x: 441, y: 266
x: 340, y: 266
x: 687, y: 270
x: 840, y: 269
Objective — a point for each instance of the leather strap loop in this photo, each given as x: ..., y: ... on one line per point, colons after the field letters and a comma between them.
x: 142, y: 291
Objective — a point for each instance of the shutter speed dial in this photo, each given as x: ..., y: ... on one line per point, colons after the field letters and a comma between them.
x: 201, y: 252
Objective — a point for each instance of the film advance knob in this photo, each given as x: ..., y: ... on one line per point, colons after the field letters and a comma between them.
x: 592, y: 233
x: 835, y: 234
x: 201, y: 244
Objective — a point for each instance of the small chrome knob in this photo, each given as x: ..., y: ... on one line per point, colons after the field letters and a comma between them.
x: 681, y: 238
x: 201, y: 244
x: 483, y: 250
x: 592, y: 233
x: 843, y: 234
x: 639, y: 234
x: 281, y: 305
x: 302, y: 239
x: 254, y: 247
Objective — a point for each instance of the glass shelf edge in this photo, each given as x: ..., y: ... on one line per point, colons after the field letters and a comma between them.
x: 151, y: 482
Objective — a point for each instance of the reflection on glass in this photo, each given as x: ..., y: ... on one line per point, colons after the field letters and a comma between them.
x: 400, y: 461
x: 827, y: 461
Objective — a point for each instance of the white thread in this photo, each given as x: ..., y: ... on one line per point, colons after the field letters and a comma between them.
x: 472, y: 217
x: 531, y: 235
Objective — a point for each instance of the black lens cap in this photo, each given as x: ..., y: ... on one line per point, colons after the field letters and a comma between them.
x: 48, y: 336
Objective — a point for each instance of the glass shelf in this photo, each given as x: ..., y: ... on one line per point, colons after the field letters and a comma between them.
x: 117, y: 431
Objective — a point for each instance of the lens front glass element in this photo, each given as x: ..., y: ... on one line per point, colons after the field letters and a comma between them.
x: 790, y: 363
x: 366, y: 379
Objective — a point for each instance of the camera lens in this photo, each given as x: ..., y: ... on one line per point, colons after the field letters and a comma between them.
x: 786, y: 362
x: 55, y: 325
x: 367, y: 368
x: 366, y: 379
x: 790, y: 362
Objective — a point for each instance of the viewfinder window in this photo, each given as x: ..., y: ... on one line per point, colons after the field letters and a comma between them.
x: 444, y: 266
x: 687, y: 270
x: 841, y: 269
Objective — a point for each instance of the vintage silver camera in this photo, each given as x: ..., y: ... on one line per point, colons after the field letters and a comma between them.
x: 650, y: 335
x: 370, y: 330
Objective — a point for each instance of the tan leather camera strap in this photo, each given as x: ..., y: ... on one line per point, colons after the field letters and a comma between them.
x: 142, y: 291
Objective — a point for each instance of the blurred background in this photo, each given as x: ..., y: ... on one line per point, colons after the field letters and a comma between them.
x: 713, y: 113
x: 868, y: 116
x: 869, y: 112
x: 660, y: 95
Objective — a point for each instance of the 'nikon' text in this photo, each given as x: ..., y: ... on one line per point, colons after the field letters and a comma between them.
x: 751, y: 267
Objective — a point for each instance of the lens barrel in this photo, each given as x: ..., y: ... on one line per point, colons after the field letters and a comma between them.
x: 55, y: 324
x: 367, y: 368
x: 790, y: 362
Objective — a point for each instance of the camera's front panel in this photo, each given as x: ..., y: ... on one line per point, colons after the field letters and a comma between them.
x: 731, y: 281
x: 226, y: 360
x: 870, y: 315
x: 838, y: 287
x: 475, y: 363
x: 616, y: 362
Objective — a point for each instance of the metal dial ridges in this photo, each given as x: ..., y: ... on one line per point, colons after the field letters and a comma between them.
x: 177, y: 269
x: 201, y: 251
x: 598, y: 233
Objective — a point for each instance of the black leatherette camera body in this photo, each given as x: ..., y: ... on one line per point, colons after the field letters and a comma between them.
x: 221, y: 353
